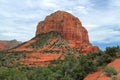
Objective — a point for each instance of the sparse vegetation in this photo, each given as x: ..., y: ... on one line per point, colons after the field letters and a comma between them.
x: 72, y: 68
x: 45, y: 38
x: 12, y: 74
x: 110, y: 71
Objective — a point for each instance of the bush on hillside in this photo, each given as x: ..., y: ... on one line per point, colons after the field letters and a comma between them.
x: 110, y: 71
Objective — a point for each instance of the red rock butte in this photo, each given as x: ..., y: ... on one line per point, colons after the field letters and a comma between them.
x: 65, y: 23
x: 71, y: 34
x: 69, y: 27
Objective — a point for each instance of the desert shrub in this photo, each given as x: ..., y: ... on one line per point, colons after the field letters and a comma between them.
x: 104, y: 60
x: 12, y: 74
x: 1, y: 54
x: 107, y: 56
x: 44, y: 39
x: 110, y: 71
x: 112, y: 51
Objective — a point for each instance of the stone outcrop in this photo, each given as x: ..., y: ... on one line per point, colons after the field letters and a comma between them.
x: 5, y: 45
x: 70, y: 28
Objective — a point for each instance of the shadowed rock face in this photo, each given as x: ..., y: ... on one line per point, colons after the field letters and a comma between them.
x: 69, y: 27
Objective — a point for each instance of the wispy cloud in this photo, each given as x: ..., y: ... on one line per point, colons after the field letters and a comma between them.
x: 106, y: 34
x: 18, y: 19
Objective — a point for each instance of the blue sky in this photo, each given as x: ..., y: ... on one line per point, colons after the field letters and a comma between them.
x: 19, y: 18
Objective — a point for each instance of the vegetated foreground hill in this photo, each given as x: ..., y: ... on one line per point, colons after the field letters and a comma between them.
x: 5, y: 45
x: 43, y: 49
x: 102, y: 65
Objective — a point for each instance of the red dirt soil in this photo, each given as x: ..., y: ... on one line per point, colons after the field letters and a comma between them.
x: 100, y: 75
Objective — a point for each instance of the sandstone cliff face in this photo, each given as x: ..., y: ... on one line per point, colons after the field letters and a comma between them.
x: 69, y: 27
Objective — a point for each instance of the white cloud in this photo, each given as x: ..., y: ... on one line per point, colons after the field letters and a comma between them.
x: 19, y: 18
x: 115, y: 3
x: 49, y: 4
x: 104, y: 36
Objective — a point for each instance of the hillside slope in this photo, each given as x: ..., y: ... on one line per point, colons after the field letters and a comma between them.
x: 109, y: 75
x: 43, y: 49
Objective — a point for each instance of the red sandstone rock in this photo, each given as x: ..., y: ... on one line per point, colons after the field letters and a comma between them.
x: 93, y: 76
x: 5, y: 45
x: 104, y: 78
x: 118, y: 76
x: 65, y: 23
x: 40, y: 59
x: 115, y: 64
x: 99, y: 75
x: 70, y: 28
